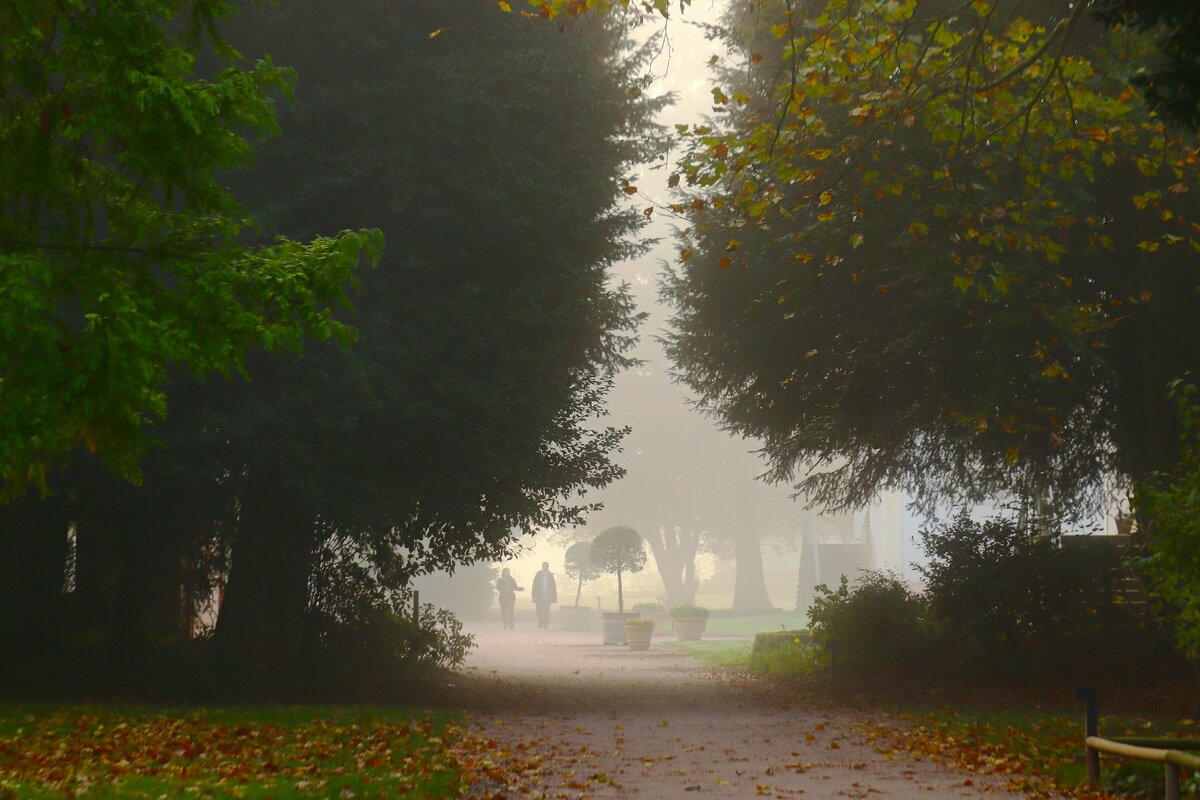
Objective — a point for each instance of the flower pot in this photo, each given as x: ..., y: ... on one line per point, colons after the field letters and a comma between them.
x: 614, y: 626
x: 689, y: 629
x: 638, y: 635
x: 574, y: 618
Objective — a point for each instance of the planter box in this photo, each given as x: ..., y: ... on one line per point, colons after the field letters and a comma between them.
x: 574, y: 618
x: 689, y: 629
x: 614, y: 626
x: 638, y: 635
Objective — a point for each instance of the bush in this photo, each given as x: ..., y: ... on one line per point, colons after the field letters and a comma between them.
x: 360, y: 640
x: 790, y: 653
x: 639, y: 623
x: 375, y: 654
x: 876, y: 626
x: 1170, y: 504
x: 1004, y: 601
x: 779, y: 640
x: 689, y: 611
x: 648, y: 608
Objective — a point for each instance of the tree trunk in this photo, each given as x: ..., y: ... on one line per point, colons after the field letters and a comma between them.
x: 31, y: 577
x: 675, y: 556
x: 620, y: 596
x: 261, y: 620
x: 750, y: 585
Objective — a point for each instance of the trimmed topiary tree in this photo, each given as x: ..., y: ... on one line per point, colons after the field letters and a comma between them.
x: 619, y: 549
x: 578, y: 564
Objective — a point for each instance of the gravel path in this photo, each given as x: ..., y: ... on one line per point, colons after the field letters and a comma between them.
x: 557, y: 714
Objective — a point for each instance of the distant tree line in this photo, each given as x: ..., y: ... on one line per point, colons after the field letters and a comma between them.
x: 308, y: 491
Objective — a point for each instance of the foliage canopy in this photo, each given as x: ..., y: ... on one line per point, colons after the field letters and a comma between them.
x: 120, y: 248
x: 931, y: 248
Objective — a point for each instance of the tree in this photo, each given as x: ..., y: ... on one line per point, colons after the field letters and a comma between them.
x: 464, y: 417
x: 120, y: 249
x: 1171, y: 86
x: 1170, y: 502
x: 578, y: 564
x: 674, y: 552
x: 933, y: 254
x: 617, y: 550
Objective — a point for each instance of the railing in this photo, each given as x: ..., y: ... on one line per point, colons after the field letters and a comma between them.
x: 1168, y: 752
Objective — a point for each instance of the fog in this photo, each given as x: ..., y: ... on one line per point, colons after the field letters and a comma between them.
x: 682, y: 470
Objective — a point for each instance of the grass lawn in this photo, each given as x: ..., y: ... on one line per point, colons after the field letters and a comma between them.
x: 246, y: 752
x: 725, y: 654
x: 722, y: 625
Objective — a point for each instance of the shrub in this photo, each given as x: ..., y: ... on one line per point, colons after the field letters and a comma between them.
x: 649, y: 608
x: 689, y: 611
x: 360, y: 640
x: 1170, y: 504
x: 790, y: 653
x: 779, y: 640
x: 877, y: 625
x: 639, y: 623
x: 1006, y: 601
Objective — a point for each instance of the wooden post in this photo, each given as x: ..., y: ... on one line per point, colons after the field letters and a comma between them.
x: 1091, y: 727
x: 1172, y: 781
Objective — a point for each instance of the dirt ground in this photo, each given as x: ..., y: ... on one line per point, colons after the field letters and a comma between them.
x: 557, y: 714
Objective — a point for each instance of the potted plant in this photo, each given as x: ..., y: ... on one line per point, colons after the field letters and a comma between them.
x: 578, y: 564
x: 638, y: 632
x: 689, y: 622
x: 618, y: 550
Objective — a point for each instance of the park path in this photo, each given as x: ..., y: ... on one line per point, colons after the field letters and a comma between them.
x: 556, y: 714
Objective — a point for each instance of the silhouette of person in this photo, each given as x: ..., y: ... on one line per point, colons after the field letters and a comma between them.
x: 544, y: 593
x: 507, y: 588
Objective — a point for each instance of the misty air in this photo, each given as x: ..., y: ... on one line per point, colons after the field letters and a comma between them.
x: 586, y: 399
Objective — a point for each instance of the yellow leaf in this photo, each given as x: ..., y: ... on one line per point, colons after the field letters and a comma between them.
x: 504, y: 6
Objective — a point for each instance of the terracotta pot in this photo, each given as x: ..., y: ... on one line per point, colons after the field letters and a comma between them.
x: 638, y: 635
x: 689, y: 629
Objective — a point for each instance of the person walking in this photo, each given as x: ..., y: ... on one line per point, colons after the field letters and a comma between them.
x: 506, y: 587
x: 544, y: 593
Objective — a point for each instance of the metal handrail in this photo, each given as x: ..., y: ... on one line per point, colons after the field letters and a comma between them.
x: 1139, y: 748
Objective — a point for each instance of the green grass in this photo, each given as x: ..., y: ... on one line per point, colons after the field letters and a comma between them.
x: 800, y: 661
x: 721, y: 625
x: 1040, y: 742
x: 723, y: 654
x: 49, y: 751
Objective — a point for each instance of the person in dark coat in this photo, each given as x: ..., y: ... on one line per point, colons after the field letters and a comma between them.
x: 544, y: 593
x: 506, y: 587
